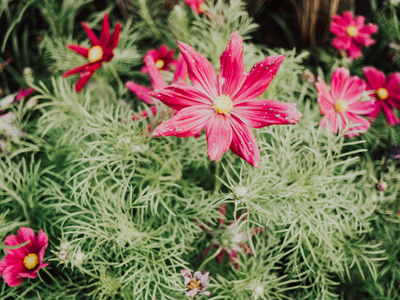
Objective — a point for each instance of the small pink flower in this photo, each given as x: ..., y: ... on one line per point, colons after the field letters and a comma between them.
x: 23, y: 93
x: 197, y: 284
x: 157, y: 82
x: 102, y: 50
x: 386, y: 92
x: 26, y: 260
x: 163, y: 58
x: 343, y: 100
x: 226, y: 106
x: 198, y: 6
x: 229, y: 239
x: 351, y: 33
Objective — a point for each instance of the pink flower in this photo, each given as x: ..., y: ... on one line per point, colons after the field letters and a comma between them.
x: 343, y: 101
x: 198, y: 6
x: 351, y: 33
x: 386, y: 92
x: 163, y: 58
x: 101, y: 51
x: 226, y: 106
x: 196, y: 284
x: 23, y: 93
x: 24, y: 261
x: 158, y: 83
x: 228, y: 239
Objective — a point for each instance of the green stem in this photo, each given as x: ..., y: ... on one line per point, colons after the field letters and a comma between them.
x: 117, y: 78
x: 217, y: 184
x: 210, y: 258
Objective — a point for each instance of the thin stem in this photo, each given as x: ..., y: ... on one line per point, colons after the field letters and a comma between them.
x: 201, y: 267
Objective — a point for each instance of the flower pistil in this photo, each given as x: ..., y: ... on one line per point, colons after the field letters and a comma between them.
x: 223, y: 104
x: 352, y: 31
x: 382, y: 93
x: 31, y: 261
x: 95, y: 54
x: 341, y: 106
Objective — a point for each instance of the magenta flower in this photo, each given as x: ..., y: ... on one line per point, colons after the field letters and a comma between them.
x: 197, y: 284
x: 229, y: 239
x: 351, y: 33
x: 386, y: 92
x: 343, y: 100
x: 198, y: 6
x: 158, y: 83
x: 101, y: 51
x: 23, y: 93
x: 163, y: 58
x: 226, y: 106
x: 26, y: 260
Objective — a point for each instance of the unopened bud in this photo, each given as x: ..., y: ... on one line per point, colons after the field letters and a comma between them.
x: 382, y: 186
x: 62, y: 255
x: 240, y: 191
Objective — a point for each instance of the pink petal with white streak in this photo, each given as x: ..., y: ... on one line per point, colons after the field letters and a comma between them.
x: 141, y: 92
x: 219, y: 136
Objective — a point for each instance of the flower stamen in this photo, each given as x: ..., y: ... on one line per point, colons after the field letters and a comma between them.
x: 352, y: 31
x: 382, y: 93
x: 193, y: 284
x: 223, y: 104
x: 159, y: 64
x: 31, y: 261
x: 341, y: 106
x: 95, y: 54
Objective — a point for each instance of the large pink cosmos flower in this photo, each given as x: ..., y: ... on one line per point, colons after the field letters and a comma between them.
x: 101, y: 51
x: 351, y: 33
x: 226, y: 106
x: 163, y: 58
x: 343, y: 100
x: 157, y: 82
x: 386, y: 93
x: 26, y: 260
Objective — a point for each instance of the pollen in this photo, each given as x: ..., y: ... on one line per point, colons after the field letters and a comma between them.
x: 341, y: 106
x: 382, y: 93
x: 31, y: 261
x: 352, y: 31
x: 159, y: 64
x: 223, y: 104
x: 193, y: 284
x: 95, y: 54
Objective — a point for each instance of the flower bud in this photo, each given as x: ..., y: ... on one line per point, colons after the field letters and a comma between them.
x: 382, y: 186
x: 62, y: 255
x: 240, y: 191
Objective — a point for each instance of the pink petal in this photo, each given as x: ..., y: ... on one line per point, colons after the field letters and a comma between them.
x: 114, y: 40
x: 13, y: 240
x: 338, y: 26
x: 105, y: 30
x: 244, y: 143
x: 86, y: 75
x: 83, y: 51
x: 201, y: 72
x: 375, y: 78
x: 32, y: 273
x: 141, y: 92
x: 377, y: 108
x: 390, y: 116
x: 348, y: 17
x: 181, y: 70
x: 332, y: 119
x: 325, y: 100
x: 181, y: 95
x: 369, y: 29
x: 192, y: 293
x: 359, y: 22
x: 232, y: 74
x: 342, y: 42
x: 354, y: 50
x: 362, y: 107
x: 345, y: 87
x: 259, y: 78
x: 220, y: 257
x: 157, y: 80
x: 27, y: 234
x: 233, y: 256
x: 261, y: 113
x: 355, y: 119
x: 364, y: 40
x: 219, y: 136
x: 144, y: 113
x: 41, y: 242
x: 186, y: 275
x: 10, y: 274
x: 187, y: 122
x: 23, y: 93
x: 75, y: 70
x: 92, y: 37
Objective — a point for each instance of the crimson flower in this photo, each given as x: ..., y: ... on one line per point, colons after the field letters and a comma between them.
x: 198, y: 6
x: 226, y: 106
x: 196, y: 284
x: 163, y: 58
x: 229, y: 239
x: 101, y: 51
x: 343, y: 100
x: 23, y: 93
x: 386, y: 92
x: 157, y: 82
x: 352, y: 33
x: 24, y: 261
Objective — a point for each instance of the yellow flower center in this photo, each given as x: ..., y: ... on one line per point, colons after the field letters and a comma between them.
x: 31, y: 261
x: 382, y: 93
x: 95, y: 54
x: 223, y: 104
x: 341, y: 106
x: 202, y: 7
x: 193, y: 284
x: 352, y: 31
x: 159, y: 64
